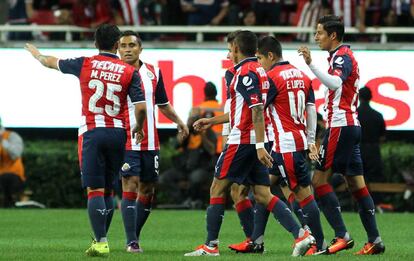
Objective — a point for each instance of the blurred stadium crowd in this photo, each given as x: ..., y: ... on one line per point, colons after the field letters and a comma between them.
x: 91, y: 13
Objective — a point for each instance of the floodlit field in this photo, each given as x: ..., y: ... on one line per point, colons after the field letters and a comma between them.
x: 65, y: 234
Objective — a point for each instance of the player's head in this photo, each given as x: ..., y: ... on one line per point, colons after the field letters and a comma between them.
x: 365, y: 94
x: 329, y: 32
x: 210, y: 91
x: 130, y: 47
x: 106, y: 37
x: 269, y: 52
x: 245, y: 45
x: 230, y: 41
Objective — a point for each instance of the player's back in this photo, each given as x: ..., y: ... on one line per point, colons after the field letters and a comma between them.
x: 290, y: 91
x: 104, y: 81
x: 247, y: 89
x: 341, y: 104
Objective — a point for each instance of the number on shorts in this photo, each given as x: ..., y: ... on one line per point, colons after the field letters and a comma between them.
x: 99, y: 86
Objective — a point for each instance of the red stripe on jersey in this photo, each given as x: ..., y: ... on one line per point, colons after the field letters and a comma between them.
x: 80, y: 148
x: 300, y: 145
x: 128, y: 144
x: 245, y: 124
x: 290, y: 169
x: 332, y: 142
x: 228, y: 159
x: 154, y: 88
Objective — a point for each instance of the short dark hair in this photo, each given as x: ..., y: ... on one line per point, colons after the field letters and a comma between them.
x: 106, y: 36
x: 269, y: 44
x: 332, y: 23
x: 210, y: 90
x: 247, y: 42
x: 365, y: 94
x: 132, y: 33
x: 231, y: 36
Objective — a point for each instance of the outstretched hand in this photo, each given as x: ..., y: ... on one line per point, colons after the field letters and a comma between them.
x: 202, y: 124
x: 32, y: 49
x: 182, y: 132
x: 313, y: 152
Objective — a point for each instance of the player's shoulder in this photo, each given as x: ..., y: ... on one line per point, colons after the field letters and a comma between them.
x: 149, y: 70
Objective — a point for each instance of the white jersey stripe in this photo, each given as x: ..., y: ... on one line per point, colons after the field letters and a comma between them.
x: 100, y: 121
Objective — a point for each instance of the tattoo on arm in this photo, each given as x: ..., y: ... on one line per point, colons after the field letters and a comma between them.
x: 258, y: 114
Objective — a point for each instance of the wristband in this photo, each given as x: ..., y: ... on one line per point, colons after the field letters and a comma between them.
x: 260, y: 145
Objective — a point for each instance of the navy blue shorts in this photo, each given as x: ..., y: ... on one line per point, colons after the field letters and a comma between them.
x: 292, y: 168
x: 239, y: 164
x: 101, y: 152
x: 144, y: 164
x: 340, y: 151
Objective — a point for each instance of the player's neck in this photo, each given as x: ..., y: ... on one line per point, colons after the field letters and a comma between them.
x: 335, y: 46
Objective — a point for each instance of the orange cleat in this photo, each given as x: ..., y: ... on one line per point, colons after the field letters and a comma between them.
x: 339, y: 244
x: 372, y: 249
x: 242, y: 245
x: 313, y: 251
x: 247, y: 246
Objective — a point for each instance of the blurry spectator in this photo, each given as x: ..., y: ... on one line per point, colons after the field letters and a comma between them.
x: 135, y: 12
x: 373, y: 133
x: 249, y: 18
x: 237, y: 8
x: 91, y: 13
x: 4, y: 7
x: 188, y: 180
x: 201, y: 12
x: 307, y: 14
x: 268, y: 12
x: 171, y: 13
x: 18, y: 15
x: 210, y: 107
x: 352, y: 12
x: 11, y: 166
x: 399, y: 13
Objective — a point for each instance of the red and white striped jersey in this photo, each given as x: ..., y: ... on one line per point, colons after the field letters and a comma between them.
x: 247, y: 89
x: 129, y: 11
x: 290, y: 91
x: 153, y: 88
x: 105, y: 83
x: 346, y: 9
x: 341, y: 104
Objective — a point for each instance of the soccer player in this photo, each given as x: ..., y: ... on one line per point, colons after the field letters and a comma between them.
x: 105, y: 83
x: 289, y: 96
x: 141, y: 165
x: 340, y: 151
x: 245, y: 157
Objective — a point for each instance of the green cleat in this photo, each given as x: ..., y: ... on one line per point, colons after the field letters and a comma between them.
x: 98, y: 249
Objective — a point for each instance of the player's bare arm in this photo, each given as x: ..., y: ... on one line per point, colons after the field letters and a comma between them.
x: 140, y: 116
x: 205, y: 123
x: 259, y: 129
x: 45, y: 60
x: 171, y: 114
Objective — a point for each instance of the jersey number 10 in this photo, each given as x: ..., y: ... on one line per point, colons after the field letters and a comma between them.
x: 99, y: 86
x: 297, y: 106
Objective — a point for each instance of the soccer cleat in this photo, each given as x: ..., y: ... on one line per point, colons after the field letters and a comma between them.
x: 372, y: 249
x: 339, y: 244
x: 248, y: 246
x: 98, y: 249
x: 314, y: 251
x: 134, y: 247
x: 204, y: 250
x: 302, y: 244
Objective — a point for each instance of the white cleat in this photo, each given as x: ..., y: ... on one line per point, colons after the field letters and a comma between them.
x: 302, y: 244
x: 204, y: 250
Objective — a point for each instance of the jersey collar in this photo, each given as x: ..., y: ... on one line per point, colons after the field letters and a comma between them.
x: 246, y: 60
x: 337, y: 48
x: 279, y: 64
x: 112, y: 55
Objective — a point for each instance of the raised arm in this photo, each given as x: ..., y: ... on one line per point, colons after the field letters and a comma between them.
x: 45, y: 60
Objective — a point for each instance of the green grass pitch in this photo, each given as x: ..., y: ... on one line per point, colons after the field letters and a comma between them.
x: 65, y: 234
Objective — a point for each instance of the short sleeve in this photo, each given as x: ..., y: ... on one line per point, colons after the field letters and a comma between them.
x: 272, y: 93
x: 248, y: 87
x: 342, y: 66
x: 71, y: 66
x: 135, y: 92
x: 160, y: 93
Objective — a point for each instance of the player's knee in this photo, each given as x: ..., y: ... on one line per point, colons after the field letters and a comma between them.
x: 355, y: 182
x: 146, y: 188
x: 130, y: 184
x: 319, y: 179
